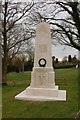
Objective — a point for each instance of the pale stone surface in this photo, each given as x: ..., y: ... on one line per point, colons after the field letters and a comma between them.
x: 43, y: 44
x: 26, y: 95
x: 42, y: 87
x: 43, y: 77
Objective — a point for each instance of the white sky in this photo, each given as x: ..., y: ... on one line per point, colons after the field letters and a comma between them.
x: 61, y: 51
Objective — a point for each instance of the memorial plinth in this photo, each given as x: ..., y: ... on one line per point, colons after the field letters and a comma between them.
x: 42, y: 87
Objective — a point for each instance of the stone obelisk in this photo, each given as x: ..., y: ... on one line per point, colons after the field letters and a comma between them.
x: 42, y: 87
x: 43, y: 74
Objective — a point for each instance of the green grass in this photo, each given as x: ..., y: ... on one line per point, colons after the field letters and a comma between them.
x: 66, y: 79
x: 0, y: 102
x: 19, y: 76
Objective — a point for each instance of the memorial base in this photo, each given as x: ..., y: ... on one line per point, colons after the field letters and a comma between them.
x: 42, y: 94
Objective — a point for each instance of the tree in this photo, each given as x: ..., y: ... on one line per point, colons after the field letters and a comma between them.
x: 23, y: 62
x: 57, y: 60
x: 64, y: 18
x: 74, y: 60
x: 12, y: 15
x: 64, y: 60
x: 68, y: 28
x: 53, y: 58
x: 69, y: 58
x: 18, y: 64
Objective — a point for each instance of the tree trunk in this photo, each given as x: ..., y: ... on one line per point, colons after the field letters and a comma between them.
x: 4, y: 71
x: 23, y: 67
x: 19, y: 70
x: 5, y: 58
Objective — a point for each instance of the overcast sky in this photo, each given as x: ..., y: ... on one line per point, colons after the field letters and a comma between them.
x: 60, y: 51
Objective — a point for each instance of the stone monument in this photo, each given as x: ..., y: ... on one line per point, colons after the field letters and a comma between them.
x: 42, y: 87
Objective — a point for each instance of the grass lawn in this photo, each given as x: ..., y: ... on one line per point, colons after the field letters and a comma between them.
x: 0, y: 102
x: 67, y: 79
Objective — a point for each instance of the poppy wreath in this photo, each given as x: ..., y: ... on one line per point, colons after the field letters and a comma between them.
x: 42, y: 64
